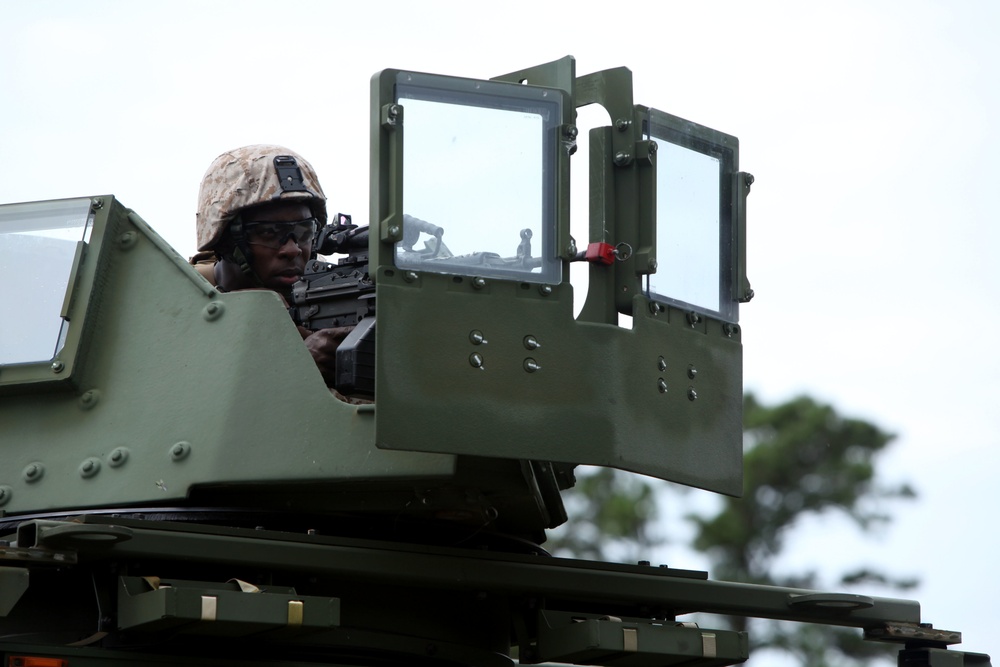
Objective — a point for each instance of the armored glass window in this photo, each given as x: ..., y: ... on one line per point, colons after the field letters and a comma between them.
x: 694, y: 216
x: 39, y: 243
x: 479, y: 178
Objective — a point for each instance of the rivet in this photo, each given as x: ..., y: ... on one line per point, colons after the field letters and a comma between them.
x: 661, y: 384
x: 118, y: 457
x: 127, y: 240
x: 652, y: 264
x: 476, y: 360
x: 410, y: 276
x: 476, y: 337
x: 692, y: 372
x: 89, y: 399
x: 655, y: 308
x: 692, y: 394
x: 213, y: 310
x: 531, y: 366
x: 90, y: 467
x: 693, y: 318
x: 545, y: 290
x: 393, y: 232
x: 97, y: 203
x: 57, y: 366
x: 180, y: 450
x: 661, y: 363
x: 6, y: 493
x: 33, y: 472
x: 479, y: 282
x: 531, y: 343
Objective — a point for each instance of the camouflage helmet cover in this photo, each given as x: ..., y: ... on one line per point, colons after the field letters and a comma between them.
x: 245, y: 177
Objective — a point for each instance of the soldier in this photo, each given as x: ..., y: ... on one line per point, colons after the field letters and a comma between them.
x: 259, y: 209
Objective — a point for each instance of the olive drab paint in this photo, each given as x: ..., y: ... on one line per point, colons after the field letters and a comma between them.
x: 179, y: 485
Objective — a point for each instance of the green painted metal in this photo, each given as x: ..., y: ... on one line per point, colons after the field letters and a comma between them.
x: 169, y: 388
x: 661, y: 398
x: 407, y: 530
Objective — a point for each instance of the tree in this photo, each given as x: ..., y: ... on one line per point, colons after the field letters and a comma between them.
x: 801, y: 459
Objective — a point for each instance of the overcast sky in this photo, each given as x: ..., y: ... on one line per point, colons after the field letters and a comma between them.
x: 871, y: 128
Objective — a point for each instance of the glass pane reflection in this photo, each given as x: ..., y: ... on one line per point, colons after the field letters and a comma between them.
x: 38, y: 242
x: 687, y: 227
x: 474, y: 188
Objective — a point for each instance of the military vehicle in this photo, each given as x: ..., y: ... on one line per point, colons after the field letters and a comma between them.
x: 180, y: 486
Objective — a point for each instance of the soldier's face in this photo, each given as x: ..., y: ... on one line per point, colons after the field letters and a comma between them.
x: 279, y: 268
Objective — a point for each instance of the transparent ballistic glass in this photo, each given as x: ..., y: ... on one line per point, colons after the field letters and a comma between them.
x: 475, y: 194
x: 687, y: 227
x: 38, y: 242
x: 694, y: 209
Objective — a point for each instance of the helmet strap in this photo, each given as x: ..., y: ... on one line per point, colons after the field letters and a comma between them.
x: 241, y: 255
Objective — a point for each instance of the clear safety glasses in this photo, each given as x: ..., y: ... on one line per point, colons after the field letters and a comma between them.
x: 276, y: 234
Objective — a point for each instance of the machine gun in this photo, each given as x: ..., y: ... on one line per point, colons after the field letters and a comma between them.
x: 342, y: 295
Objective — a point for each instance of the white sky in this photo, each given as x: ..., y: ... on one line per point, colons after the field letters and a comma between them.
x: 870, y: 127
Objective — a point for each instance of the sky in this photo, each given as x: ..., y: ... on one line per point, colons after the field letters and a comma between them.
x: 869, y: 126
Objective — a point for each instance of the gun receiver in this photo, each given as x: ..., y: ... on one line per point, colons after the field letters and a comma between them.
x: 342, y: 295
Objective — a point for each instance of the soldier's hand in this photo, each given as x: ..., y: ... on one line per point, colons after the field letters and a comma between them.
x: 322, y: 345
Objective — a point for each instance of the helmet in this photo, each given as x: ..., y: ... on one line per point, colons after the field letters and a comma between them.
x: 252, y: 175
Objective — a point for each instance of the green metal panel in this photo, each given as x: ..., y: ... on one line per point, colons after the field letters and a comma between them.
x: 179, y: 385
x: 660, y: 399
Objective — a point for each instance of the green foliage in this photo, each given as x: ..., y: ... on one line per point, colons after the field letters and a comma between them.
x: 611, y: 518
x: 801, y: 459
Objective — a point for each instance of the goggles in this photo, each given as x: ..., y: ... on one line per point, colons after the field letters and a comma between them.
x: 276, y: 234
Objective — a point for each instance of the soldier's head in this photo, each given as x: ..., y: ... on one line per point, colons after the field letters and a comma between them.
x: 259, y: 209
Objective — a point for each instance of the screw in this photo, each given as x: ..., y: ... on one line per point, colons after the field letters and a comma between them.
x: 531, y: 343
x: 58, y: 366
x: 730, y: 329
x: 410, y: 276
x: 692, y: 394
x: 571, y: 131
x: 622, y: 158
x: 655, y: 308
x: 622, y: 124
x: 545, y: 290
x: 479, y: 282
x: 693, y: 318
x: 393, y: 232
x: 692, y: 372
x: 476, y: 337
x: 476, y: 360
x: 661, y: 384
x: 748, y: 179
x: 531, y: 366
x: 661, y: 363
x: 652, y: 264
